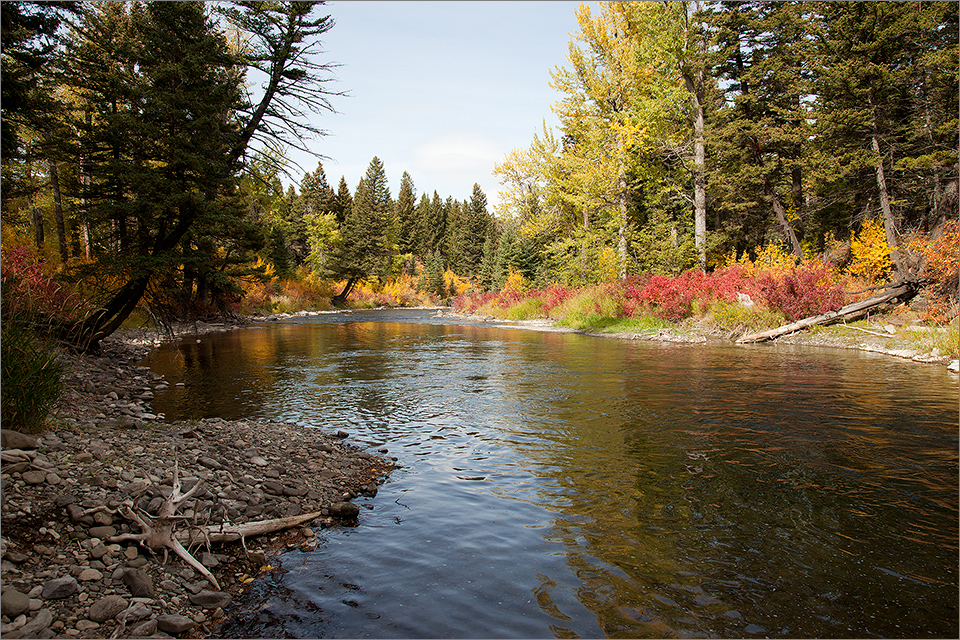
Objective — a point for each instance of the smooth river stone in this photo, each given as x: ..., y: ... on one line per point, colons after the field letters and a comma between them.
x: 60, y: 588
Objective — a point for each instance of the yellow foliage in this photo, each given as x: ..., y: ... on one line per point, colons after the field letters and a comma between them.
x: 515, y: 282
x: 455, y: 284
x: 773, y: 258
x: 269, y: 272
x: 870, y: 254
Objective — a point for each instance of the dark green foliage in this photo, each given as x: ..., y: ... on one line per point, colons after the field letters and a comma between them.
x: 279, y: 254
x: 406, y: 215
x: 155, y: 85
x: 431, y: 281
x: 434, y: 226
x: 759, y: 137
x: 365, y: 250
x: 27, y: 30
x: 888, y: 70
x: 32, y: 378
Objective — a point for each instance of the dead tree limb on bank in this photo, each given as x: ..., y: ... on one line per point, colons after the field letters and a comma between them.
x: 157, y: 533
x: 851, y: 310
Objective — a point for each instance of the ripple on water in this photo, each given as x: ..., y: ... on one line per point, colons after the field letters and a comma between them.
x: 556, y: 484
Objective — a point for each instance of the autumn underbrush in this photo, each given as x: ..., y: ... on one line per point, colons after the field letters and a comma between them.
x: 731, y: 300
x: 307, y: 291
x: 746, y: 293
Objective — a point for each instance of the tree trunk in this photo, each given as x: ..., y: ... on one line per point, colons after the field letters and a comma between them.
x: 699, y: 182
x: 341, y: 298
x: 58, y: 210
x: 622, y: 232
x: 850, y: 311
x: 889, y: 221
x: 781, y: 213
x: 694, y: 80
x: 37, y: 224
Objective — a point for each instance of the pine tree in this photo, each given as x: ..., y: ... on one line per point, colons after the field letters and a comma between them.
x: 406, y: 215
x: 364, y: 250
x: 164, y: 125
x: 759, y: 138
x: 477, y: 225
x: 876, y: 66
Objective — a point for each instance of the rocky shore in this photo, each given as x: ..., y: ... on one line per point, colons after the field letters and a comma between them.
x: 69, y: 566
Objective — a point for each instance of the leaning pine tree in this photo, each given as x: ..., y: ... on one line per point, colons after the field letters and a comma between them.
x: 165, y: 126
x: 364, y: 236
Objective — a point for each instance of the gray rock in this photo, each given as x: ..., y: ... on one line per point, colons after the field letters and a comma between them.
x: 274, y: 487
x: 106, y: 608
x: 169, y: 585
x: 60, y: 588
x: 13, y: 603
x: 139, y: 583
x: 75, y: 512
x: 172, y: 623
x: 41, y: 621
x: 291, y: 490
x: 136, y: 611
x: 10, y: 439
x: 211, y: 599
x: 34, y: 477
x: 102, y: 531
x: 64, y: 499
x: 209, y: 462
x: 89, y: 574
x: 344, y: 510
x: 147, y: 628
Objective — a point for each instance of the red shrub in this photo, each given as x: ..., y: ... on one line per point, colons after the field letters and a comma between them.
x: 803, y: 292
x: 27, y: 289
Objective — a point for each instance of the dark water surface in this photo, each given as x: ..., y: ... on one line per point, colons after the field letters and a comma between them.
x: 559, y: 485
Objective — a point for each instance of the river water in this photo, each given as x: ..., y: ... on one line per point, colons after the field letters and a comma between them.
x: 561, y: 485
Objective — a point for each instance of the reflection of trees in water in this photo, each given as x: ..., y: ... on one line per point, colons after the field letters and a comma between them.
x: 696, y: 489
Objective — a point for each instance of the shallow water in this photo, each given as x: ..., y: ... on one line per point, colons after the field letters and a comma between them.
x: 559, y: 485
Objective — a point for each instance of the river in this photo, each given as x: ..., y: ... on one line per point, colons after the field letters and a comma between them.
x: 561, y: 485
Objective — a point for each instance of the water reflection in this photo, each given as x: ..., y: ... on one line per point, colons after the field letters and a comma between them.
x: 560, y: 485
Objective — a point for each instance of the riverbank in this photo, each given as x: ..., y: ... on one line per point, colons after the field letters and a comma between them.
x: 893, y: 338
x: 68, y: 570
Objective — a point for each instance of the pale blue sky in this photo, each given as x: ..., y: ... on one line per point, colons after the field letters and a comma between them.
x: 442, y: 90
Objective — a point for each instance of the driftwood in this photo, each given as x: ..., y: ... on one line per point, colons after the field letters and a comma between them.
x: 157, y: 533
x: 851, y: 310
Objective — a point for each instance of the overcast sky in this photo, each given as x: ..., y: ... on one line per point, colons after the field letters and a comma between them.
x: 442, y: 90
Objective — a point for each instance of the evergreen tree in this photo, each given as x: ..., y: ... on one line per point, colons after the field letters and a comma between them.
x: 477, y: 226
x: 406, y: 215
x: 156, y: 83
x: 456, y: 235
x: 423, y: 214
x: 364, y: 250
x: 343, y: 202
x: 877, y: 64
x: 164, y: 125
x: 760, y: 136
x: 435, y: 226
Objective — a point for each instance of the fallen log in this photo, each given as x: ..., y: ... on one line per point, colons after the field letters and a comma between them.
x: 854, y: 309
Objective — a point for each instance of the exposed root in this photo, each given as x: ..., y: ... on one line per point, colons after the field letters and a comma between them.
x: 158, y: 533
